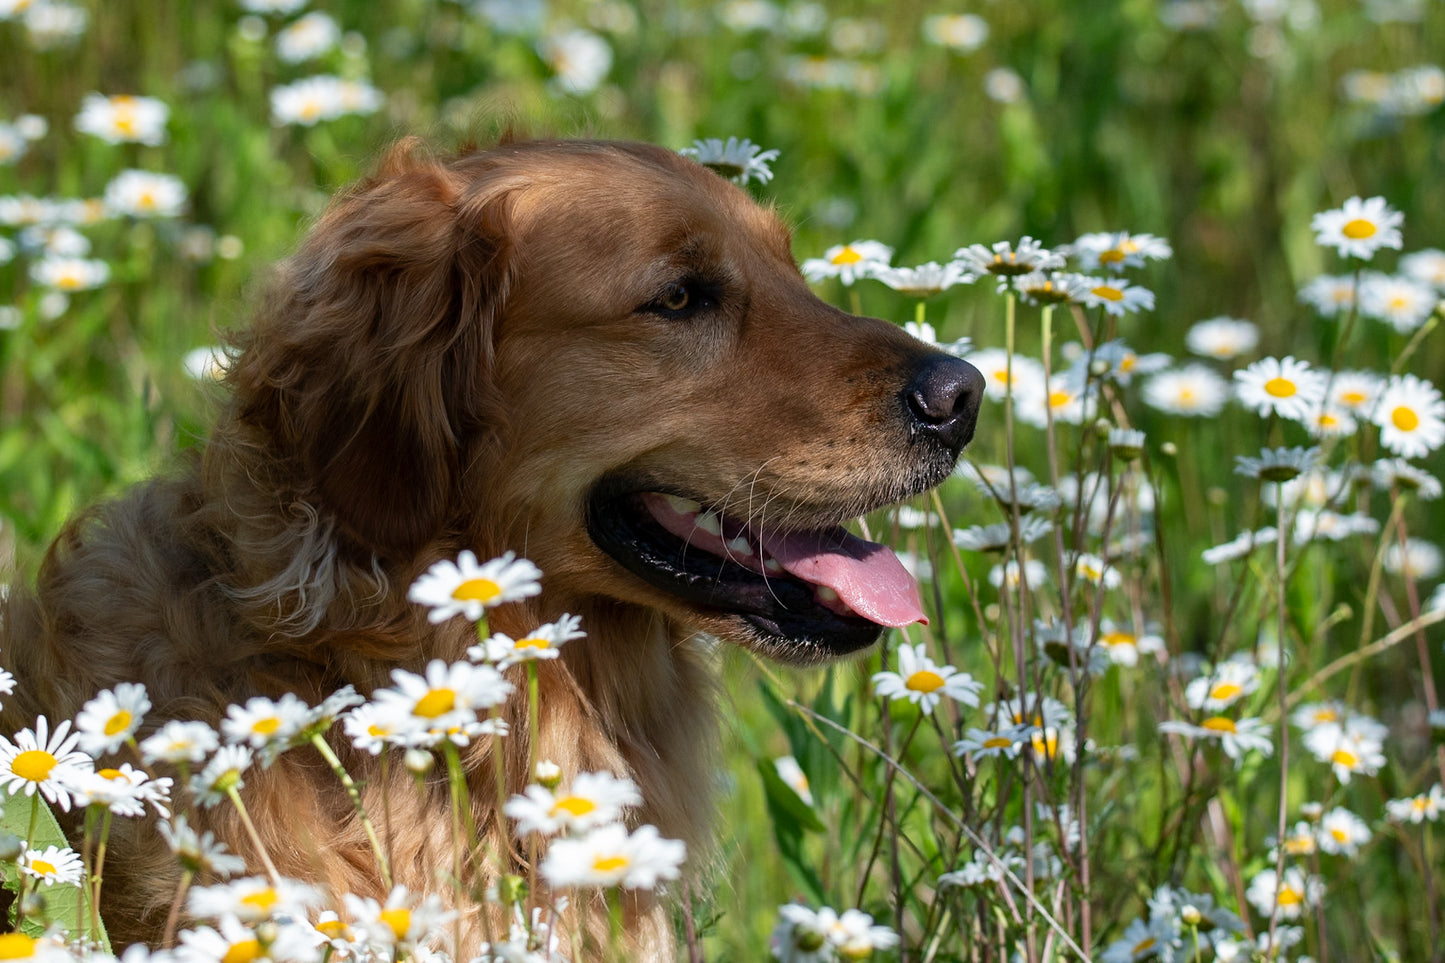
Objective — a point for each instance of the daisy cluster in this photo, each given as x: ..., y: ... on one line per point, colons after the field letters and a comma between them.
x: 580, y: 826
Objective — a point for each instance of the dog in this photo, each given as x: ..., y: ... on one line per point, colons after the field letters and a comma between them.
x: 592, y: 353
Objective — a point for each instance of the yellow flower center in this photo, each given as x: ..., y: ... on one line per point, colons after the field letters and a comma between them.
x: 70, y: 281
x: 924, y: 681
x: 1091, y: 572
x: 1352, y: 398
x: 1280, y: 388
x: 262, y: 900
x: 997, y: 742
x: 533, y: 643
x: 1147, y: 943
x: 574, y: 805
x: 1187, y: 396
x: 1359, y: 229
x: 16, y: 946
x: 1289, y: 896
x: 117, y: 723
x: 1128, y: 362
x: 1325, y: 715
x: 435, y: 703
x: 266, y: 727
x: 376, y: 730
x: 310, y: 109
x: 1420, y: 804
x: 1224, y: 690
x: 146, y: 201
x: 1046, y: 743
x: 1117, y: 638
x: 1340, y: 835
x: 111, y: 774
x: 1299, y: 845
x: 1343, y: 757
x: 1113, y: 256
x: 1219, y: 724
x: 42, y: 867
x: 477, y: 590
x: 1109, y: 293
x: 1405, y: 419
x: 243, y: 951
x: 609, y: 864
x: 331, y: 929
x: 847, y: 256
x: 1001, y: 375
x: 34, y: 765
x: 1057, y: 399
x: 398, y: 920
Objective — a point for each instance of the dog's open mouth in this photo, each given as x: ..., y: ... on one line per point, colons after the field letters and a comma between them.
x: 822, y: 588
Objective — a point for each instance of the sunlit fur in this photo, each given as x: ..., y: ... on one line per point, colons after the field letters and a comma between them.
x: 452, y: 359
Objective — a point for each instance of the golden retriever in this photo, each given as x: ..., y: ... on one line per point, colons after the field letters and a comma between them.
x: 567, y: 349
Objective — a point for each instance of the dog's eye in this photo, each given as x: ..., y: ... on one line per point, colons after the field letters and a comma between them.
x: 681, y: 299
x: 677, y: 299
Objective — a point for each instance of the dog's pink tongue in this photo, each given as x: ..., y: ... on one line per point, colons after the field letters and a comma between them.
x: 868, y: 577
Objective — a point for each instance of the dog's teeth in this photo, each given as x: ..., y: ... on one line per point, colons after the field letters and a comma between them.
x: 740, y: 546
x: 683, y: 506
x: 773, y: 566
x: 710, y: 523
x: 825, y: 594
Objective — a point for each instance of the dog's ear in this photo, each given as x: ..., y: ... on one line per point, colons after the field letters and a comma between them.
x: 370, y: 361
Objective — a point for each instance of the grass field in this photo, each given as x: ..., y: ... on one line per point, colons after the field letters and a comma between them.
x: 1158, y: 704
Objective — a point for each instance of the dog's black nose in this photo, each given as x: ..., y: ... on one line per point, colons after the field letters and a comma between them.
x: 943, y: 400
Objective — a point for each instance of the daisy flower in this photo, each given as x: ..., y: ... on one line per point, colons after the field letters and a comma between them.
x: 1236, y: 737
x: 996, y: 537
x: 40, y: 760
x: 964, y: 32
x: 1222, y: 338
x: 1411, y: 416
x: 180, y: 742
x: 207, y: 364
x: 123, y: 119
x: 925, y: 280
x: 1277, y: 464
x: 1141, y: 941
x: 1231, y: 681
x: 1426, y: 266
x: 924, y: 683
x: 53, y: 865
x: 253, y: 899
x: 609, y: 856
x: 1427, y: 806
x: 1359, y: 228
x: 794, y: 778
x: 265, y: 724
x: 1194, y: 391
x: 1329, y: 294
x: 134, y: 193
x: 1124, y: 647
x: 447, y: 693
x: 1053, y: 287
x: 1417, y: 559
x: 1286, y: 387
x: 199, y: 852
x: 580, y: 59
x: 740, y: 161
x: 467, y: 588
x: 373, y: 726
x: 1067, y: 401
x: 1328, y: 421
x: 223, y: 773
x: 233, y: 940
x: 124, y: 791
x: 1093, y: 569
x: 1009, y: 574
x: 982, y: 743
x: 1399, y: 302
x: 1119, y: 298
x: 1026, y: 374
x: 323, y: 97
x: 109, y: 720
x: 593, y: 798
x: 1241, y: 545
x: 1004, y: 260
x: 1031, y: 711
x: 848, y: 262
x: 1342, y: 833
x: 1390, y: 474
x: 1355, y: 391
x: 1353, y: 747
x: 69, y: 273
x: 924, y: 332
x: 1117, y: 250
x: 1284, y: 897
x: 307, y: 38
x: 543, y: 642
x: 403, y: 920
x: 854, y: 933
x: 1124, y: 362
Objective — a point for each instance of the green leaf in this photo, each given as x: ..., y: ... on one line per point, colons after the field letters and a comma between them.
x: 63, y: 904
x: 785, y: 801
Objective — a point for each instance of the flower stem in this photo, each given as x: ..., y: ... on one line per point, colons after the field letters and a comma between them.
x: 327, y: 753
x: 235, y: 797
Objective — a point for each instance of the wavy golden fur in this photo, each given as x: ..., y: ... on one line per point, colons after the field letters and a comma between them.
x: 457, y: 356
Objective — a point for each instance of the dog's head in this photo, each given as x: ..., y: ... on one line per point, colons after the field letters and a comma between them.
x: 603, y: 355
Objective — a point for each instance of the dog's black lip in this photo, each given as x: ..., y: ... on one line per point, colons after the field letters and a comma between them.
x: 777, y: 611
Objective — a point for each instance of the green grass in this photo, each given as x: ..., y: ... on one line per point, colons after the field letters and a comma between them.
x: 1225, y: 140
